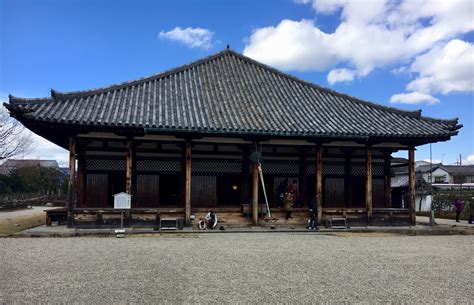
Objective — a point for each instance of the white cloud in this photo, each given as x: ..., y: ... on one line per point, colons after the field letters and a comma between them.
x: 435, y: 161
x: 191, y: 37
x: 328, y: 6
x: 445, y: 69
x: 302, y: 1
x: 292, y: 45
x: 371, y: 34
x: 341, y: 75
x: 413, y: 98
x: 469, y: 160
x: 46, y: 150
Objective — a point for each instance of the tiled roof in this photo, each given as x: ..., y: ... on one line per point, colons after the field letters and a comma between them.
x: 228, y: 93
x: 457, y: 170
x: 428, y: 168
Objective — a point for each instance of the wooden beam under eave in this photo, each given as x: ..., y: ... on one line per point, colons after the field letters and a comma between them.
x: 368, y: 184
x: 319, y: 182
x: 411, y: 184
x: 187, y: 183
x: 71, y: 181
x: 255, y: 194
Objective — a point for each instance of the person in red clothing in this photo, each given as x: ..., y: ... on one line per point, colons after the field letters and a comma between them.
x: 293, y: 190
x: 290, y: 198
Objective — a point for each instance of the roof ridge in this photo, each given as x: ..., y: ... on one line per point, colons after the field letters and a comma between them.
x: 19, y: 100
x: 24, y: 105
x: 83, y: 93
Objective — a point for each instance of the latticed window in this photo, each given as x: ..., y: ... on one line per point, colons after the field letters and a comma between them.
x: 105, y: 164
x: 216, y: 167
x: 158, y: 166
x: 280, y: 168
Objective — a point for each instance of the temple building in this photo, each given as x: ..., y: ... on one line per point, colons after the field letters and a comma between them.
x: 180, y: 143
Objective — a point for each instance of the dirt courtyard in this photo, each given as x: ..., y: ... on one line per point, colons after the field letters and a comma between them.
x: 233, y: 267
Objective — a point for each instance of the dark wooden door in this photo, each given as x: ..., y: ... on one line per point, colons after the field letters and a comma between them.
x: 96, y: 190
x: 333, y: 193
x: 203, y: 191
x: 147, y: 191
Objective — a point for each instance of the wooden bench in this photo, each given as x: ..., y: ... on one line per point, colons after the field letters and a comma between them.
x: 247, y: 209
x: 168, y: 223
x: 59, y: 215
x: 337, y: 219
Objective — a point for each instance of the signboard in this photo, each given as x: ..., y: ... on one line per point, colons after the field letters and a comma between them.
x: 122, y: 201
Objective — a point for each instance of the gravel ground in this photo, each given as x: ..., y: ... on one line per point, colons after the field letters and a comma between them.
x: 254, y: 268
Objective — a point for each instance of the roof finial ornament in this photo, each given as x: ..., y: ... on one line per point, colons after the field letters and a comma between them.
x: 228, y: 47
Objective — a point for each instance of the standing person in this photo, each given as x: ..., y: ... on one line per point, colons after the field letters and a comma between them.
x: 458, y: 207
x: 471, y: 211
x: 288, y: 204
x: 211, y: 220
x: 293, y: 190
x: 313, y: 210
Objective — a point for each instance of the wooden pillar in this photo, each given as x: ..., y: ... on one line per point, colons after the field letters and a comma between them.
x: 411, y: 184
x: 368, y: 183
x: 81, y: 180
x: 187, y: 184
x: 128, y: 177
x: 302, y: 178
x: 388, y: 181
x: 71, y: 181
x: 134, y: 174
x: 347, y: 178
x: 128, y: 168
x: 182, y: 177
x: 255, y: 194
x: 319, y: 182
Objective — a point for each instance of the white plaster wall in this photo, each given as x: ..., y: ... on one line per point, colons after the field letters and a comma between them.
x: 425, y: 203
x: 441, y: 172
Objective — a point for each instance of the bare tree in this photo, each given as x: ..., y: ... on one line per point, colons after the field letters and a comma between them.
x: 15, y: 139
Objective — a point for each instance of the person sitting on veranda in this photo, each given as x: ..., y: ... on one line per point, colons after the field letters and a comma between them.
x: 202, y: 225
x: 211, y: 220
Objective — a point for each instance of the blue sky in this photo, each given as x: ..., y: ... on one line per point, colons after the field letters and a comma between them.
x: 405, y: 54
